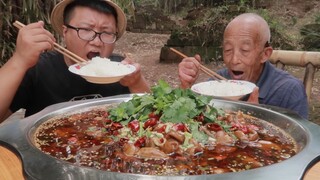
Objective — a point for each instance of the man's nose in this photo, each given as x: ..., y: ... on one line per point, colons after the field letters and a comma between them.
x: 236, y: 58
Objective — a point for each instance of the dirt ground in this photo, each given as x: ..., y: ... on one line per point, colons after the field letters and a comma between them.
x: 145, y: 49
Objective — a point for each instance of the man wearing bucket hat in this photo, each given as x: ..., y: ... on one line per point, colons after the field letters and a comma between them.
x: 38, y: 78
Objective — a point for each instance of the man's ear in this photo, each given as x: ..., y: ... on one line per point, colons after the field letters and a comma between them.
x: 266, y: 54
x: 64, y: 30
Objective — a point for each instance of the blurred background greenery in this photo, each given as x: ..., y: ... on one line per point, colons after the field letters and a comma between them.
x: 28, y: 11
x: 214, y: 15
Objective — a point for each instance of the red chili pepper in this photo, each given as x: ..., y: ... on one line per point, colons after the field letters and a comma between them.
x: 140, y: 142
x: 234, y: 127
x: 115, y: 133
x: 150, y: 123
x: 200, y: 118
x: 134, y: 125
x: 162, y: 129
x: 241, y: 127
x: 153, y: 115
x: 214, y: 127
x: 180, y: 127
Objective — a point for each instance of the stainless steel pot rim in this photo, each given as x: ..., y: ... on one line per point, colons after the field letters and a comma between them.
x: 16, y: 135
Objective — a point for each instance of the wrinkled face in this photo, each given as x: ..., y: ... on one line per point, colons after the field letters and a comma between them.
x: 83, y: 17
x: 243, y: 53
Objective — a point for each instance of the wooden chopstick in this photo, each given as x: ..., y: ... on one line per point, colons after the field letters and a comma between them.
x: 57, y: 47
x: 204, y: 69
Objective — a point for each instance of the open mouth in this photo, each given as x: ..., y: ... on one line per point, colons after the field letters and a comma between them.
x: 91, y: 55
x: 237, y: 73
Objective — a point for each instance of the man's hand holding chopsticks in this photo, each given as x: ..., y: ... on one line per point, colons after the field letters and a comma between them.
x: 189, y: 69
x: 32, y: 40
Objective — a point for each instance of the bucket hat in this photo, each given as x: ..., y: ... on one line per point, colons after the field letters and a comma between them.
x: 58, y: 10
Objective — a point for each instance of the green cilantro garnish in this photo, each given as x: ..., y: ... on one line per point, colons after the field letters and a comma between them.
x: 198, y: 135
x: 173, y: 105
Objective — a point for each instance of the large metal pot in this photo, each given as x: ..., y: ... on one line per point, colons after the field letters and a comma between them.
x: 18, y: 135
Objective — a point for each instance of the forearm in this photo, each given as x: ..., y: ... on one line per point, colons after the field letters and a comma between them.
x: 11, y: 75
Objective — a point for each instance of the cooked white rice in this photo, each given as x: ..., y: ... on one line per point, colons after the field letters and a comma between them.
x: 223, y: 88
x: 99, y: 66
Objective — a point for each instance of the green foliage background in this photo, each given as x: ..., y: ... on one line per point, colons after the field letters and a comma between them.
x: 28, y: 11
x: 25, y: 11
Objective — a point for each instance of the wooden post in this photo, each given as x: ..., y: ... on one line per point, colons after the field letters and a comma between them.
x: 308, y: 79
x: 310, y: 60
x: 280, y: 65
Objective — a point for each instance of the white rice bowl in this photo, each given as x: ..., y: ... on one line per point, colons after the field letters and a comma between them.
x: 228, y: 89
x: 102, y: 70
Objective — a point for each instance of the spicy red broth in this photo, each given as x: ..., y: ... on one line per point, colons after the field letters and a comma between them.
x: 154, y: 147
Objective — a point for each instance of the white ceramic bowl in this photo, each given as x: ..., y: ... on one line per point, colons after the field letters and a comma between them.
x: 108, y: 72
x: 226, y: 89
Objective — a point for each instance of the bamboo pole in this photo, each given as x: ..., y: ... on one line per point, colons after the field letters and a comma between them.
x: 310, y: 60
x: 308, y: 79
x: 296, y: 58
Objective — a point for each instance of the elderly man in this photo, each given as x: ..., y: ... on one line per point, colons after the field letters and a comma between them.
x: 34, y: 79
x: 246, y: 51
